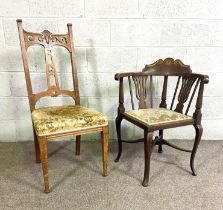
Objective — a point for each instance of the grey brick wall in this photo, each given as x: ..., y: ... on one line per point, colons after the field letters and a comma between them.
x: 111, y: 36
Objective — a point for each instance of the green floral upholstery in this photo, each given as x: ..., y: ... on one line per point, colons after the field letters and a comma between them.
x: 154, y: 117
x: 56, y: 119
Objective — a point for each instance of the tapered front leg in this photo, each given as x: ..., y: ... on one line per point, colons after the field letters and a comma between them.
x: 78, y: 145
x: 105, y: 137
x: 147, y: 150
x: 199, y: 131
x: 44, y: 160
x: 118, y: 121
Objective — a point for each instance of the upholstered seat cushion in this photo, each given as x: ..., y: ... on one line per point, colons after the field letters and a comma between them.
x: 158, y: 116
x: 57, y: 119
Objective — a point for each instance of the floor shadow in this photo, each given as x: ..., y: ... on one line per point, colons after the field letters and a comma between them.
x: 21, y: 181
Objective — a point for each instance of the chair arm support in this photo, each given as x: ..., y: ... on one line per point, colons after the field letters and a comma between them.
x: 197, y: 114
x: 121, y: 108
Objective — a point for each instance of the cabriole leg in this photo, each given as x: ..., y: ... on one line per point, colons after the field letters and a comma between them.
x: 147, y: 150
x: 118, y: 121
x: 199, y: 131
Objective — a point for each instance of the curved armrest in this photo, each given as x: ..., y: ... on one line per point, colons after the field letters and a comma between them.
x: 203, y: 77
x: 118, y: 76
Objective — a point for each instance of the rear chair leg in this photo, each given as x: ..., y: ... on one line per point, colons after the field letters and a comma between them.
x: 118, y: 121
x: 148, y: 150
x: 160, y: 148
x: 78, y: 145
x: 199, y: 131
x: 36, y: 144
x: 44, y: 160
x: 105, y: 136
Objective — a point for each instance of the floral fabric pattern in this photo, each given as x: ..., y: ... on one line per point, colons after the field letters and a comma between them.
x: 153, y: 117
x: 56, y: 119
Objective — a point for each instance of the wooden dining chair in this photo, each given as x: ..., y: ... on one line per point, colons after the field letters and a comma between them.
x: 151, y: 119
x: 56, y: 122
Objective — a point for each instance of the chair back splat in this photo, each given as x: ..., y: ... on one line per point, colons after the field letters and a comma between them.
x: 48, y: 41
x: 189, y: 82
x: 186, y: 85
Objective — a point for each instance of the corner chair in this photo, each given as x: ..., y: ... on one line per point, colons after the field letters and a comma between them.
x: 149, y: 119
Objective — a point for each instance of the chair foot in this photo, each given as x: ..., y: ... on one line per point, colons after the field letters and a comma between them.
x: 160, y: 149
x: 119, y: 151
x: 38, y: 160
x: 47, y: 190
x: 192, y: 168
x: 145, y: 183
x: 194, y: 173
x: 105, y: 174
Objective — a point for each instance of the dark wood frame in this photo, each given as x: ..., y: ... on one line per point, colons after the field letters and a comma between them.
x: 48, y: 40
x: 166, y: 68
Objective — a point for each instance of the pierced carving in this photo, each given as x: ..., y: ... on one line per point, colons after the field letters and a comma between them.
x: 187, y: 83
x: 30, y: 38
x: 140, y: 87
x: 45, y: 36
x: 61, y: 39
x: 52, y: 78
x: 47, y: 39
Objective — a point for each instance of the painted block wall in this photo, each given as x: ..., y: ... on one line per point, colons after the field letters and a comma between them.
x: 111, y: 36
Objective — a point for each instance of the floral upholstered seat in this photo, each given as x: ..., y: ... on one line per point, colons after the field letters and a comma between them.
x: 57, y: 119
x: 158, y: 116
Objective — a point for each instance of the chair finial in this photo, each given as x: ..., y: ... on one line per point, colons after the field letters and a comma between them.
x: 19, y: 20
